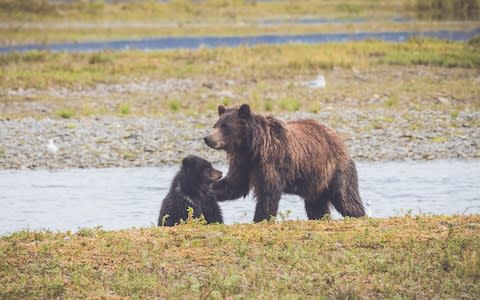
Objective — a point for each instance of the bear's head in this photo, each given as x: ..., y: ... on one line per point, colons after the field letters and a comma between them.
x: 197, y: 171
x: 231, y: 130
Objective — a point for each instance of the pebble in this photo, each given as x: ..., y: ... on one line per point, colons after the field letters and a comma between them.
x: 110, y: 141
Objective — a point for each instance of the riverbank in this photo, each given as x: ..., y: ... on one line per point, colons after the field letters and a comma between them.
x: 413, y: 100
x: 408, y: 257
x: 32, y: 21
x: 108, y: 141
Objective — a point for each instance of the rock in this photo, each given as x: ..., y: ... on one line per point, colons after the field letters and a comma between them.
x: 226, y: 94
x: 444, y: 100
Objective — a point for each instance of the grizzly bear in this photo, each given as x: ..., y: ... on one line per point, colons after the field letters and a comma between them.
x: 302, y: 157
x: 191, y: 187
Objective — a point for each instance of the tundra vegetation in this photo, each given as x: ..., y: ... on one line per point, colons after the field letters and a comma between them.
x: 367, y: 74
x: 41, y: 21
x: 401, y: 257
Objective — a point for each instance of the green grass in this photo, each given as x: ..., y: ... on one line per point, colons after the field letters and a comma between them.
x: 174, y: 105
x: 403, y: 257
x: 124, y: 109
x: 433, y: 53
x: 65, y: 113
x: 186, y: 10
x: 42, y: 21
x: 289, y: 104
x: 41, y: 69
x: 268, y: 77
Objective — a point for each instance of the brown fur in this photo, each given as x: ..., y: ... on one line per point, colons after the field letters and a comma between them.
x: 303, y: 157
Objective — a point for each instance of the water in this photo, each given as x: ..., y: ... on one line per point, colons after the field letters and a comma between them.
x: 123, y: 198
x: 164, y: 43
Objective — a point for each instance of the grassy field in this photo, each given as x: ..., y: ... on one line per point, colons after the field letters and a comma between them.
x: 186, y: 10
x: 38, y: 21
x: 41, y: 69
x: 411, y: 74
x: 401, y: 257
x: 44, y: 33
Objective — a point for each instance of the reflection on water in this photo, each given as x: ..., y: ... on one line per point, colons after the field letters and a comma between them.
x: 123, y: 198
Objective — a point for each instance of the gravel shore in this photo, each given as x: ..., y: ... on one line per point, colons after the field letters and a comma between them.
x: 109, y: 141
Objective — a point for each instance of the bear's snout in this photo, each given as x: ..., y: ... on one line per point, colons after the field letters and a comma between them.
x: 207, y: 141
x: 215, y: 139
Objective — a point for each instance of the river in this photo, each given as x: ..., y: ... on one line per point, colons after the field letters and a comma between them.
x: 119, y: 198
x: 191, y: 42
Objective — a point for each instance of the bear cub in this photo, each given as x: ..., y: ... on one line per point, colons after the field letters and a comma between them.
x: 191, y: 187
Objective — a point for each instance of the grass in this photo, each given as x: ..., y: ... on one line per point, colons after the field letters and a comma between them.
x: 39, y: 69
x: 186, y: 10
x: 402, y: 257
x: 26, y: 33
x: 65, y: 113
x: 190, y: 11
x: 268, y: 77
x: 174, y: 105
x: 445, y: 9
x: 38, y: 21
x: 289, y: 104
x: 124, y: 109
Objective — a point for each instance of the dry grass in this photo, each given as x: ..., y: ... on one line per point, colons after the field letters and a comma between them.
x: 402, y: 257
x: 186, y: 10
x: 411, y: 74
x: 39, y: 21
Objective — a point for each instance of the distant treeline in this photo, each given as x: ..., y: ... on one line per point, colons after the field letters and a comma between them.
x: 446, y: 9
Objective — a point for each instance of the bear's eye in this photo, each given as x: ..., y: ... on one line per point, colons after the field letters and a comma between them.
x: 224, y: 126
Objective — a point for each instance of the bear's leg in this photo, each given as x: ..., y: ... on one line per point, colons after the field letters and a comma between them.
x: 345, y: 196
x: 212, y: 212
x: 317, y: 208
x: 267, y: 206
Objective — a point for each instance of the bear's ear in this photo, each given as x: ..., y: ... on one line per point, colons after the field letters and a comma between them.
x: 244, y: 111
x: 221, y: 109
x: 188, y: 162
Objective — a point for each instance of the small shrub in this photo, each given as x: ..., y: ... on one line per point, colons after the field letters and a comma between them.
x: 174, y: 105
x: 129, y: 156
x: 475, y: 41
x: 391, y: 101
x: 290, y: 104
x: 268, y: 105
x: 99, y: 58
x: 65, y: 113
x: 124, y: 109
x: 440, y: 139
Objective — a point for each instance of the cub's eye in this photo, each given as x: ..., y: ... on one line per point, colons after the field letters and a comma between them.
x: 224, y: 126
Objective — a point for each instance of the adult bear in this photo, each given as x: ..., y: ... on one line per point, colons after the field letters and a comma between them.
x: 302, y: 157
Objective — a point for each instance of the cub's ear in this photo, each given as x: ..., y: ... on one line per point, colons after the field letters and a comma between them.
x: 221, y: 109
x: 188, y: 162
x: 244, y: 111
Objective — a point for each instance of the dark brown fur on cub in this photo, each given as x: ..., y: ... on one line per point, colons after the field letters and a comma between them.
x: 191, y: 187
x: 302, y: 157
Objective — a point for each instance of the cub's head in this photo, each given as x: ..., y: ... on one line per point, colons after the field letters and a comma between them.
x: 231, y: 129
x: 199, y: 171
